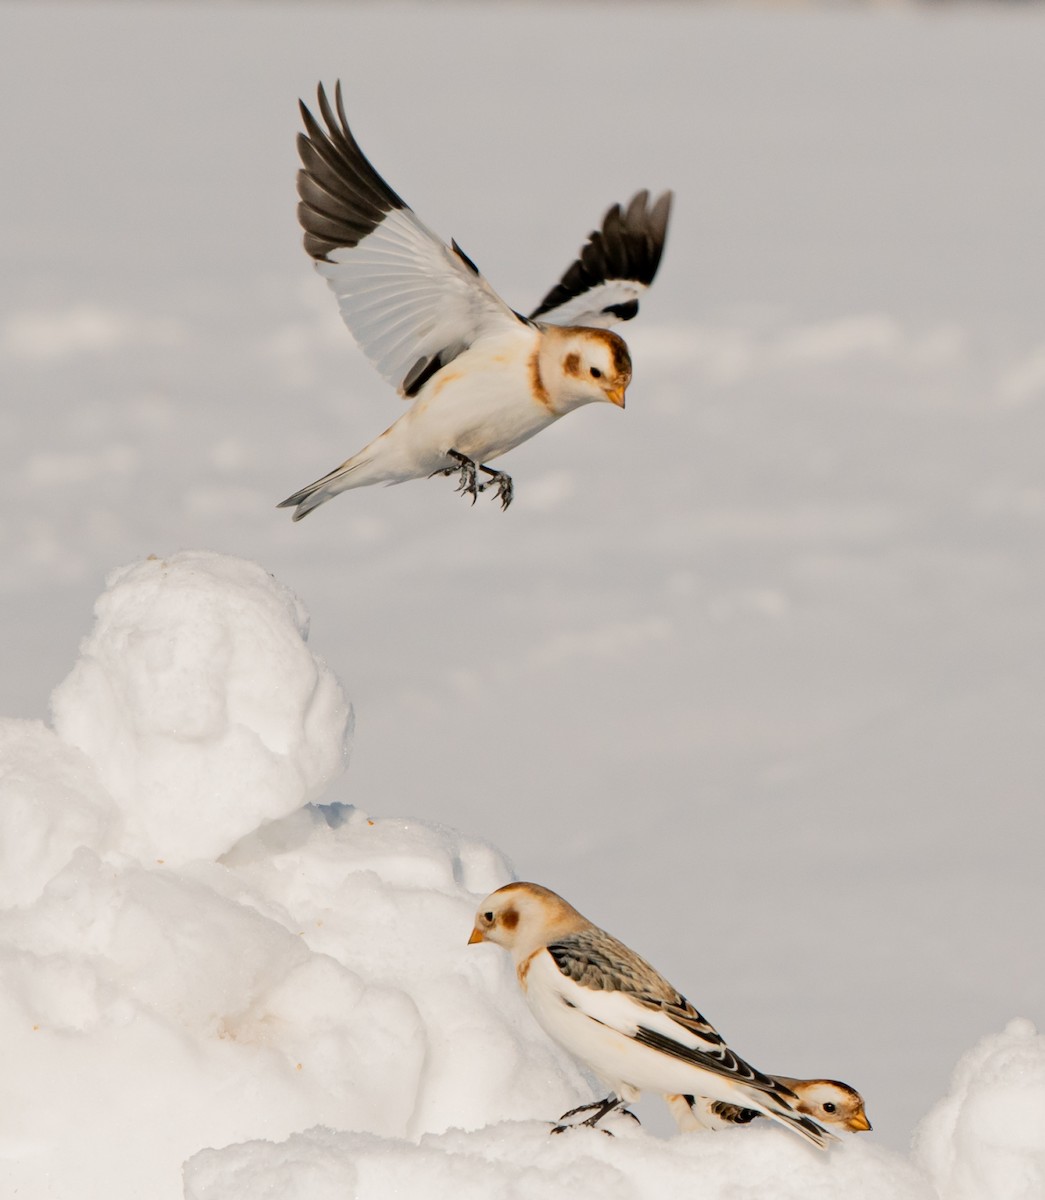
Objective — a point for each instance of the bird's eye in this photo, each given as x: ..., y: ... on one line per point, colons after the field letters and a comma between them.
x: 596, y: 373
x: 488, y: 917
x: 829, y: 1106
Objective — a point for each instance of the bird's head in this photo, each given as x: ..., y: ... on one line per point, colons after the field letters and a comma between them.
x: 581, y: 365
x: 831, y: 1103
x: 522, y: 917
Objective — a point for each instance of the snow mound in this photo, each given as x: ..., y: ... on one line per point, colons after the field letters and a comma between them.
x: 191, y: 953
x: 51, y: 802
x: 213, y: 981
x: 987, y: 1138
x: 200, y: 704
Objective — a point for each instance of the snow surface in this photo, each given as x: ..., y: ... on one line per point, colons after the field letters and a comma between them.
x: 782, y: 622
x: 280, y: 995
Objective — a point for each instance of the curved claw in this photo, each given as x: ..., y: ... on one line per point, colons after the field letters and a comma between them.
x: 598, y: 1110
x: 503, y: 484
x: 466, y: 470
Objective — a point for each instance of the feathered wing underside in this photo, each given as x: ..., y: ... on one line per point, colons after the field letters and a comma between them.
x: 411, y: 302
x: 614, y: 268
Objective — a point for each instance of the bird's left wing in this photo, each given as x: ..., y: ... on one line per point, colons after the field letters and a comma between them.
x: 614, y: 268
x: 411, y: 302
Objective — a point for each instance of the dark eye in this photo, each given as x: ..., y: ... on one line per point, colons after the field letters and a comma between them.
x: 829, y: 1106
x: 596, y: 373
x: 489, y: 917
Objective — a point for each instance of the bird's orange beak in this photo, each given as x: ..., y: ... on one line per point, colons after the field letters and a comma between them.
x: 858, y: 1123
x: 477, y: 936
x: 616, y: 395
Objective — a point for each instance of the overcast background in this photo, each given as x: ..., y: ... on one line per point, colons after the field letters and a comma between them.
x: 751, y: 672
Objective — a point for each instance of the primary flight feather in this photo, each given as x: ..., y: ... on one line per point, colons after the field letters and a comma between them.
x: 481, y: 377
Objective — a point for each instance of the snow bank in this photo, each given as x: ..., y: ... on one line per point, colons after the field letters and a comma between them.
x: 201, y: 705
x: 520, y: 1159
x: 204, y: 969
x: 987, y: 1138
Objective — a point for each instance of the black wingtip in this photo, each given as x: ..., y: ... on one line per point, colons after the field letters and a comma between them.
x: 627, y: 247
x: 343, y: 196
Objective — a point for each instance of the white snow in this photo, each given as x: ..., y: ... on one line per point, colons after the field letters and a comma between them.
x: 987, y: 1136
x: 186, y: 693
x: 209, y: 960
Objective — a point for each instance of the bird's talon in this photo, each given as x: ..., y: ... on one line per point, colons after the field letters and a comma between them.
x: 465, y: 472
x: 501, y: 481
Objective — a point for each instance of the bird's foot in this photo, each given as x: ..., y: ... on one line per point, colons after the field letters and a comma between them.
x: 598, y: 1110
x: 502, y: 482
x: 465, y: 472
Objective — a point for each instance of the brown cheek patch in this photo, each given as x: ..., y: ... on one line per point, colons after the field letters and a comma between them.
x: 572, y: 364
x: 510, y: 918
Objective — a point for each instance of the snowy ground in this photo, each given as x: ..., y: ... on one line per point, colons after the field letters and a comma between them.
x: 785, y: 616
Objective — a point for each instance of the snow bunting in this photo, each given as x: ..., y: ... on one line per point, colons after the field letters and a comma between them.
x: 482, y: 377
x: 613, y: 1011
x: 828, y: 1101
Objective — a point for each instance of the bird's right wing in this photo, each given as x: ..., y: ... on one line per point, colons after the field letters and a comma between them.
x: 656, y: 1014
x: 411, y: 302
x: 614, y: 268
x: 610, y: 984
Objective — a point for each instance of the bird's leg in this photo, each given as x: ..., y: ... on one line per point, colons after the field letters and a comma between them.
x: 465, y: 470
x: 598, y: 1109
x: 502, y: 482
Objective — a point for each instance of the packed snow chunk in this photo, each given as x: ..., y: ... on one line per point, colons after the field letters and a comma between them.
x: 51, y: 803
x: 187, y: 1017
x: 394, y: 902
x: 524, y: 1161
x: 200, y: 704
x: 987, y: 1137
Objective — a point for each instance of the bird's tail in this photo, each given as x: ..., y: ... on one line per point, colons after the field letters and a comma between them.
x: 338, y: 480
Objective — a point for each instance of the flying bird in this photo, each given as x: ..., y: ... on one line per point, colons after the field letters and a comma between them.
x: 612, y: 1010
x: 832, y: 1103
x: 481, y: 377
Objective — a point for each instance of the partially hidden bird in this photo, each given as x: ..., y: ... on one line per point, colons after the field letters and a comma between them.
x: 611, y: 1009
x: 834, y: 1104
x: 481, y: 377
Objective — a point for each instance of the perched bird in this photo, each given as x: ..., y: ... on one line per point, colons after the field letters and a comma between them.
x: 482, y: 378
x: 828, y: 1101
x: 613, y: 1011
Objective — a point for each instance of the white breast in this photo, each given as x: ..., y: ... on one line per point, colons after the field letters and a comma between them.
x: 482, y: 404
